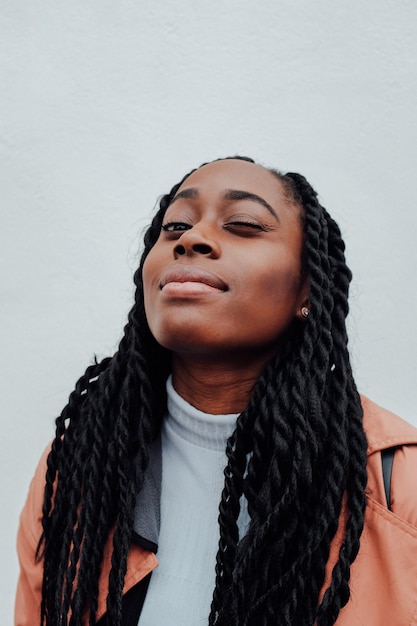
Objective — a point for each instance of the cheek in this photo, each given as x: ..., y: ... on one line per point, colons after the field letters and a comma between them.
x: 154, y: 263
x: 278, y: 285
x: 150, y: 284
x: 273, y: 301
x: 146, y: 281
x: 286, y: 289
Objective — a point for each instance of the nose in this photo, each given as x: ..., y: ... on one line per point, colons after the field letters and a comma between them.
x: 196, y: 242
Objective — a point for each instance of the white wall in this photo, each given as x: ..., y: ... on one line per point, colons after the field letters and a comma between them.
x: 105, y: 105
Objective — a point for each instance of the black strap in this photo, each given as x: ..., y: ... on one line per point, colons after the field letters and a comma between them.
x: 387, y: 458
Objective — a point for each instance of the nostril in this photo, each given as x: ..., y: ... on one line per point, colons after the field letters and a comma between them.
x: 180, y: 249
x: 201, y: 248
x: 189, y: 248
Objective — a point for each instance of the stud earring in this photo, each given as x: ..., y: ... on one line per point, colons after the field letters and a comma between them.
x: 305, y: 311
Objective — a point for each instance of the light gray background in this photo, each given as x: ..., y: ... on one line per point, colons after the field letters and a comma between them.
x: 105, y: 105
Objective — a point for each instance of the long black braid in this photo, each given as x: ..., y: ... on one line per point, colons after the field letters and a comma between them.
x: 297, y: 449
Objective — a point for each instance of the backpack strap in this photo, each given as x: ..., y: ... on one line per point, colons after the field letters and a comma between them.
x: 387, y: 458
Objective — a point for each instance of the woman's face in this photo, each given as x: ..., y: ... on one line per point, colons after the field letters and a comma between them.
x: 224, y: 275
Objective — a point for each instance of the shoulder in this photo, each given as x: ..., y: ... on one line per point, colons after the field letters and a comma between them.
x: 29, y: 586
x: 31, y: 516
x: 385, y: 429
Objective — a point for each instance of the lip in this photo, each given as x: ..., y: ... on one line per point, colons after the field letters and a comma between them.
x: 188, y: 274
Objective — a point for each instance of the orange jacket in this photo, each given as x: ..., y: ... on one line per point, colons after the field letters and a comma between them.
x: 383, y: 577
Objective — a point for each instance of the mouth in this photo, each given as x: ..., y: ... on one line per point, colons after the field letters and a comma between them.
x: 195, y: 275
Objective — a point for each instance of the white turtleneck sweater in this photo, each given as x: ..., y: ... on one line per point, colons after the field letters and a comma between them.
x: 193, y: 460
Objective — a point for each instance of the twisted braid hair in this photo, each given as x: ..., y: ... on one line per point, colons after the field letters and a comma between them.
x: 298, y: 447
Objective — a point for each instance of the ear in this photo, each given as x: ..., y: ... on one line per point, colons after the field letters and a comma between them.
x: 303, y: 308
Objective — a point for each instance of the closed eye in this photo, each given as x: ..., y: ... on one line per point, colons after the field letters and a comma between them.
x: 244, y: 225
x: 173, y: 227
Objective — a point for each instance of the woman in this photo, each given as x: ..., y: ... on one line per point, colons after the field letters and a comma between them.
x: 236, y: 342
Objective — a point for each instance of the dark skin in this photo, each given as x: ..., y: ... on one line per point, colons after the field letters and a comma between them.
x: 223, y: 281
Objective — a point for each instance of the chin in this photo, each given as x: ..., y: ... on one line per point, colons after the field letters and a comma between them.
x: 186, y: 345
x: 185, y: 334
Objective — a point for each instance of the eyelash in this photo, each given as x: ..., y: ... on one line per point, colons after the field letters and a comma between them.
x: 171, y: 227
x: 253, y: 225
x: 168, y: 227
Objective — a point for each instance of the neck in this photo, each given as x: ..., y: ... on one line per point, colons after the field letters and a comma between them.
x: 212, y: 386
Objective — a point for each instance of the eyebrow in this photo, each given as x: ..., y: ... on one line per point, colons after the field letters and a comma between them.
x: 237, y: 194
x: 186, y: 193
x: 229, y: 194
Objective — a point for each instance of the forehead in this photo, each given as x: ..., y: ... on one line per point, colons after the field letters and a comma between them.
x: 236, y: 174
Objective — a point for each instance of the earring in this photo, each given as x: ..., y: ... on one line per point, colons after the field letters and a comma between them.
x: 305, y: 311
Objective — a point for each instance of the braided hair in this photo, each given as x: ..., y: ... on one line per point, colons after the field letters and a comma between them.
x: 297, y: 450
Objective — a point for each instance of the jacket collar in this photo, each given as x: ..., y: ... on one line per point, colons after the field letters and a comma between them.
x: 147, y: 516
x: 385, y: 429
